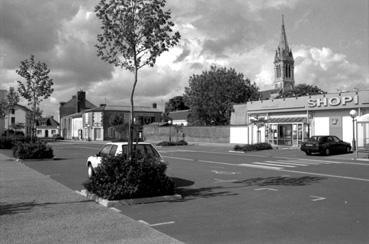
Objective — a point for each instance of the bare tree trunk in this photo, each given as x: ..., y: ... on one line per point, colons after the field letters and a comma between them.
x: 131, y: 122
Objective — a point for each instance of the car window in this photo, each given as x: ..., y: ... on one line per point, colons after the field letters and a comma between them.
x: 113, y: 150
x: 330, y: 139
x: 105, y: 150
x: 323, y: 139
x: 124, y: 149
x: 336, y: 139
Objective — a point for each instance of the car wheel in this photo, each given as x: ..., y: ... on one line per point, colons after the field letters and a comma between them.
x: 308, y: 152
x: 348, y: 149
x: 90, y: 171
x: 327, y: 151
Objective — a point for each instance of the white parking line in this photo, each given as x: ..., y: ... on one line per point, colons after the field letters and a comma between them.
x: 277, y: 168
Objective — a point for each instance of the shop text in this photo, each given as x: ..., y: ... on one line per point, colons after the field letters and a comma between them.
x: 332, y: 101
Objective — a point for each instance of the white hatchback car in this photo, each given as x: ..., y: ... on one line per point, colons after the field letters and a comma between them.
x: 117, y: 148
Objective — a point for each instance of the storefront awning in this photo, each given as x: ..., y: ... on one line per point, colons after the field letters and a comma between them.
x: 286, y: 120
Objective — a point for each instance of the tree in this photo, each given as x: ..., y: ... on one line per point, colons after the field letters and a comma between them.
x: 301, y: 90
x: 135, y: 33
x: 211, y: 95
x: 175, y: 103
x: 13, y: 99
x: 38, y: 85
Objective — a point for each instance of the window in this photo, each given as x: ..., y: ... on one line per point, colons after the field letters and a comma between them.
x: 53, y: 132
x: 13, y: 111
x: 113, y: 150
x: 13, y: 120
x: 105, y: 150
x: 39, y: 132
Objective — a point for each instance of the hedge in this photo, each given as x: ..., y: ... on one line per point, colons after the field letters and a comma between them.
x: 32, y: 150
x: 118, y: 178
x: 253, y: 147
x: 177, y: 143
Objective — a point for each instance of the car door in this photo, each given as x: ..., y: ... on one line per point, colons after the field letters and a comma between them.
x: 105, y: 150
x: 341, y: 147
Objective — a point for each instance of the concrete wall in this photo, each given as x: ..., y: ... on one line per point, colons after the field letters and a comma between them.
x: 216, y: 134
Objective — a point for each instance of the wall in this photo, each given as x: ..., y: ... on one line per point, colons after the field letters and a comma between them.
x: 216, y: 134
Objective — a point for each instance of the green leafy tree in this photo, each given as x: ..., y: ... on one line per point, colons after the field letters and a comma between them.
x: 12, y: 99
x: 134, y: 34
x: 176, y: 103
x: 211, y: 95
x: 37, y: 86
x: 301, y: 90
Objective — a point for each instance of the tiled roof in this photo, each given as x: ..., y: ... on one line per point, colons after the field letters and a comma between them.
x: 179, y: 115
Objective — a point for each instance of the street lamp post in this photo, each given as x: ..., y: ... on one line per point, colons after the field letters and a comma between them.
x: 353, y: 114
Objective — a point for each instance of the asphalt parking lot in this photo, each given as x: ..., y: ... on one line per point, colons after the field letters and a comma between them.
x: 277, y: 196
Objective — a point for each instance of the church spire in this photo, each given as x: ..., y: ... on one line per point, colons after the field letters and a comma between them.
x: 283, y: 44
x: 283, y: 63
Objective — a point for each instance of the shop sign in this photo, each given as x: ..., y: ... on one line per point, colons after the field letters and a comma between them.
x: 332, y: 101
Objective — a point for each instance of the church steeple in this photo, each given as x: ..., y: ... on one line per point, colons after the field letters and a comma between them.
x: 283, y: 44
x: 283, y: 63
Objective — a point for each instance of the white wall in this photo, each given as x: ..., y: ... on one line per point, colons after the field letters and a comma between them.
x: 76, y: 126
x: 347, y: 129
x: 238, y: 135
x: 321, y: 126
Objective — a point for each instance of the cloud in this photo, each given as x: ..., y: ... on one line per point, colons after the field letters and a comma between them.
x: 328, y: 70
x: 30, y: 26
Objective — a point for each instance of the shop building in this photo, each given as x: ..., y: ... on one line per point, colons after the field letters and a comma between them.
x: 289, y: 121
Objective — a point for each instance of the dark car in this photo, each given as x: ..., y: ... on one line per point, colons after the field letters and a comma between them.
x: 325, y: 145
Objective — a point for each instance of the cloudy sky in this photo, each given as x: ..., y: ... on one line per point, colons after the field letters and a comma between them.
x: 329, y: 40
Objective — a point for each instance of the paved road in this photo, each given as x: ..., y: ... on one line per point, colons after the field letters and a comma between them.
x: 263, y: 197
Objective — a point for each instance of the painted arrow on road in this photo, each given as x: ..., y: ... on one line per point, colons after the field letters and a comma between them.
x: 317, y: 198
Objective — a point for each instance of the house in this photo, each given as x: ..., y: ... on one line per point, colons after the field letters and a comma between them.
x: 18, y: 120
x: 81, y: 120
x: 71, y: 115
x: 47, y: 127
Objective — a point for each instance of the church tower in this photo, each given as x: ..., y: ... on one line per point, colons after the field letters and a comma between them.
x: 283, y: 64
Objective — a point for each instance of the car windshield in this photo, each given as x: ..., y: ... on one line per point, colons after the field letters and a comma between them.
x: 143, y: 150
x: 318, y: 138
x: 315, y: 138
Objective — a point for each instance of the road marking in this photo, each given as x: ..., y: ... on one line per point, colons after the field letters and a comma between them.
x: 157, y: 224
x: 186, y: 159
x: 224, y: 181
x: 259, y: 166
x: 224, y: 172
x: 164, y: 223
x: 115, y: 209
x: 290, y: 162
x: 265, y: 189
x: 279, y: 164
x: 317, y: 198
x: 279, y: 169
x: 326, y: 161
x: 326, y: 175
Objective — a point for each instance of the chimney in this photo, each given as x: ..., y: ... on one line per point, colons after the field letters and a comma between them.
x: 155, y: 105
x: 81, y: 101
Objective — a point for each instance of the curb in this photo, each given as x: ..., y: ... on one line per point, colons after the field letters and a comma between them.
x: 133, y: 201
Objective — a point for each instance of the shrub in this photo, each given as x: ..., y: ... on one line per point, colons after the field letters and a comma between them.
x: 177, y: 143
x: 32, y: 150
x: 253, y: 147
x: 6, y: 143
x: 118, y: 178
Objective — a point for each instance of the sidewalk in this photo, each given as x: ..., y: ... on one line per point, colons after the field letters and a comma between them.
x: 36, y: 209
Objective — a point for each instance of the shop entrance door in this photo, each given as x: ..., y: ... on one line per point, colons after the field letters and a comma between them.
x: 285, y: 134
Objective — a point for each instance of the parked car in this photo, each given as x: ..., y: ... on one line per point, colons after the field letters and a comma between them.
x: 325, y: 145
x: 144, y: 150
